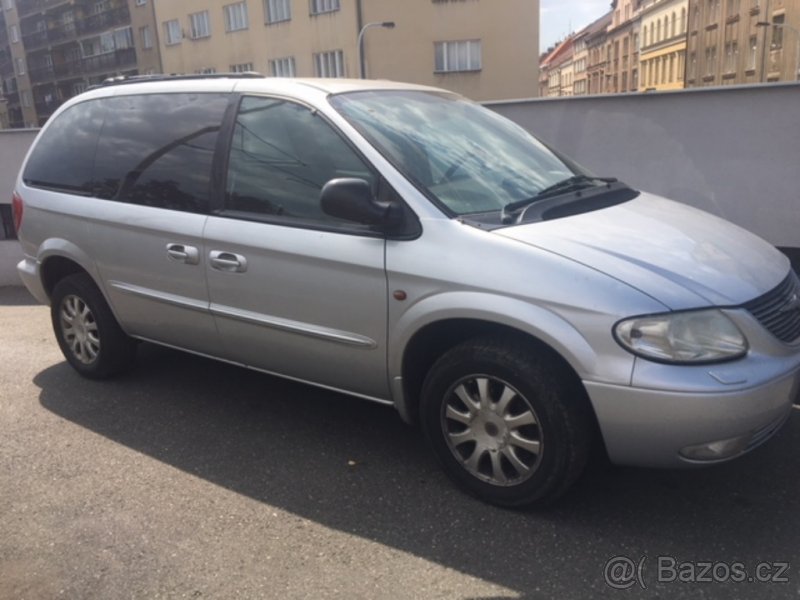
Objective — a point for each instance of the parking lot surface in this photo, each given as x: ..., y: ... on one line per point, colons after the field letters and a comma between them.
x: 189, y: 478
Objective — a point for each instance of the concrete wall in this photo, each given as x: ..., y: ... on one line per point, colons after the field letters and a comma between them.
x: 732, y: 151
x: 14, y: 144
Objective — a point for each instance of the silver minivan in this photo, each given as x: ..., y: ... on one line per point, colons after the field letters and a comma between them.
x: 402, y: 244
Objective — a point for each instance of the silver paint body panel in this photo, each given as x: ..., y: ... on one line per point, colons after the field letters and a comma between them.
x: 317, y: 306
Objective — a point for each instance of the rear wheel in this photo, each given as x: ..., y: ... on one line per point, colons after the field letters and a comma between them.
x: 87, y: 332
x: 507, y: 425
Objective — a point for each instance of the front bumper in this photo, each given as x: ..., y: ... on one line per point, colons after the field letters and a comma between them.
x: 654, y: 428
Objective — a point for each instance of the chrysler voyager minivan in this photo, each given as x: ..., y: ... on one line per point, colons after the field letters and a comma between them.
x: 402, y: 244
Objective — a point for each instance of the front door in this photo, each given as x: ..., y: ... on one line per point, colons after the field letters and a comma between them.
x: 293, y: 290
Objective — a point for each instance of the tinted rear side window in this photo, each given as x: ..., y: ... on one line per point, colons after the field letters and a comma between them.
x: 64, y: 154
x: 157, y: 150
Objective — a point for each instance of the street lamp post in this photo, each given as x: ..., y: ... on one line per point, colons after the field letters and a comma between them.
x: 384, y: 24
x: 797, y: 43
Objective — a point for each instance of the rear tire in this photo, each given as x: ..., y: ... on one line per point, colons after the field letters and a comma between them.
x: 508, y: 425
x: 87, y: 331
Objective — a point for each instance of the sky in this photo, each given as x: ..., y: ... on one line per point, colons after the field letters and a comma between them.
x: 560, y: 17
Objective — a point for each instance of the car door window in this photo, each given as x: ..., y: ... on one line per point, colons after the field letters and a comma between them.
x: 282, y: 154
x: 166, y: 158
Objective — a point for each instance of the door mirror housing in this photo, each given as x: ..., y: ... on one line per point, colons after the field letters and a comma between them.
x: 352, y: 199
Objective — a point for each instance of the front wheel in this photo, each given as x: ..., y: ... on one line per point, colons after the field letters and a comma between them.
x: 87, y: 332
x: 507, y: 425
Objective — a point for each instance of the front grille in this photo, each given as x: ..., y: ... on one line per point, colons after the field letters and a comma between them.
x: 779, y: 309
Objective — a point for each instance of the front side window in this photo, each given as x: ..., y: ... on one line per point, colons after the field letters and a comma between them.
x: 468, y: 158
x: 157, y: 150
x: 236, y: 16
x: 278, y: 10
x: 282, y: 154
x: 172, y: 32
x: 201, y: 27
x: 457, y: 56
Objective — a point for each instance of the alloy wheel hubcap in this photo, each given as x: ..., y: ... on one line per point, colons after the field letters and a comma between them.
x: 79, y: 329
x: 492, y: 430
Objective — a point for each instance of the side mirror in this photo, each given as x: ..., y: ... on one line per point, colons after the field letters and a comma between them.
x: 352, y: 199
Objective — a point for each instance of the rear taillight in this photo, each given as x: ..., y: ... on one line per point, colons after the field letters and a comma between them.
x: 17, y: 208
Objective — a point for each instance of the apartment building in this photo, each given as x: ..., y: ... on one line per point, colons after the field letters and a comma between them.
x: 483, y: 49
x: 622, y: 47
x: 581, y: 58
x: 557, y: 70
x: 663, y: 52
x: 58, y: 48
x: 743, y: 42
x: 596, y: 42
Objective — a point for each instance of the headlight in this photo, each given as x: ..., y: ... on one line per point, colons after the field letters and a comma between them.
x: 701, y: 336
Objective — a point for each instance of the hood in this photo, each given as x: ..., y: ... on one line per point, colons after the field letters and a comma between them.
x: 681, y: 256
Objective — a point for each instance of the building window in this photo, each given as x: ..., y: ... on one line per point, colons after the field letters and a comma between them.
x: 323, y: 6
x: 79, y: 87
x: 146, y: 36
x: 711, y: 59
x: 752, y: 57
x: 236, y: 16
x: 141, y: 2
x: 278, y: 10
x: 458, y: 56
x: 20, y: 66
x: 14, y: 31
x: 172, y: 32
x: 777, y: 31
x: 206, y: 71
x: 282, y: 67
x: 242, y: 68
x: 329, y: 64
x: 692, y: 65
x: 731, y: 56
x: 201, y: 26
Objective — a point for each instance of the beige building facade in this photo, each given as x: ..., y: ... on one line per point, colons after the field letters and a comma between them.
x: 743, y: 42
x: 663, y: 52
x: 484, y: 49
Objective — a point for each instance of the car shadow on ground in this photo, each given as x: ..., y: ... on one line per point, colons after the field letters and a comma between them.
x: 16, y: 296
x: 354, y: 466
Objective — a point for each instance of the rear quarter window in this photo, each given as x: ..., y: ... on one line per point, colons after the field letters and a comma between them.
x: 63, y: 157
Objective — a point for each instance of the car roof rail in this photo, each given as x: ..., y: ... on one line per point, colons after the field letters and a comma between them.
x: 129, y: 79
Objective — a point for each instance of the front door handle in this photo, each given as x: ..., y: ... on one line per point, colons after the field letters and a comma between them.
x: 227, y: 261
x: 185, y: 254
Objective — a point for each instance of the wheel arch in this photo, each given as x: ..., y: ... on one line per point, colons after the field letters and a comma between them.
x: 428, y: 331
x: 60, y: 258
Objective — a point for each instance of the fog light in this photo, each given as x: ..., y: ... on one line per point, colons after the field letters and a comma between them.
x: 718, y: 450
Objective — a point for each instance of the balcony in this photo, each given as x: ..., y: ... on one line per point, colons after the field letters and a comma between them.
x: 31, y: 7
x: 41, y: 74
x: 103, y: 21
x: 35, y: 39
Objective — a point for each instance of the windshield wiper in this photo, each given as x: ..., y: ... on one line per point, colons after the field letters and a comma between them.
x: 565, y: 186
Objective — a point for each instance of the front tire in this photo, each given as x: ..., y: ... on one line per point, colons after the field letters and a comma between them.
x: 87, y: 332
x: 509, y: 426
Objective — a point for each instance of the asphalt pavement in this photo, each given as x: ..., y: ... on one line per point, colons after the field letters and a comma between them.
x: 189, y: 478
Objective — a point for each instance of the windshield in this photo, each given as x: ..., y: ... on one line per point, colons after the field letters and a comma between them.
x: 466, y: 157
